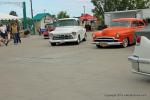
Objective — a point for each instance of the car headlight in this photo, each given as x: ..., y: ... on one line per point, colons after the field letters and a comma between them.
x: 117, y: 35
x: 74, y: 33
x: 50, y: 35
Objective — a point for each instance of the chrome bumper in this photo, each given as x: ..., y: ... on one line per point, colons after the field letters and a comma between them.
x: 62, y: 41
x: 135, y: 60
x: 107, y: 43
x: 141, y: 73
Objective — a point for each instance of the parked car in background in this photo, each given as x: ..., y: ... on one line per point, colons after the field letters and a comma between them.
x: 48, y: 28
x: 140, y: 58
x: 120, y: 32
x: 67, y: 30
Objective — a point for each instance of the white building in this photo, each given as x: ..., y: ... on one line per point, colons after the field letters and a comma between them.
x: 41, y: 19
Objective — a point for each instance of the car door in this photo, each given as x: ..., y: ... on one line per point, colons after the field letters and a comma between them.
x: 134, y: 27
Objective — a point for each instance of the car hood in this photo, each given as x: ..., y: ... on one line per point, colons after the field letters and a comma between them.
x: 111, y: 31
x: 65, y: 29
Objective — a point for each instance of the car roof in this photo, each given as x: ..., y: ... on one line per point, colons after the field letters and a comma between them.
x: 127, y: 19
x: 69, y: 18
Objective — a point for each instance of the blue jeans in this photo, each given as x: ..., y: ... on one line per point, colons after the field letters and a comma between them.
x: 16, y: 38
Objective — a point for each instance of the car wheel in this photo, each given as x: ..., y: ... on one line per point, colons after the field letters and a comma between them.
x: 53, y: 44
x: 85, y: 37
x: 78, y: 41
x: 125, y: 42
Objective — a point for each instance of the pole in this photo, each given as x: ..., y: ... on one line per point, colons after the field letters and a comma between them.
x: 84, y: 9
x: 31, y: 9
x: 24, y: 16
x: 31, y: 6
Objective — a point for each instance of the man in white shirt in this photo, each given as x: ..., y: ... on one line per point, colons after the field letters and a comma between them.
x: 3, y: 34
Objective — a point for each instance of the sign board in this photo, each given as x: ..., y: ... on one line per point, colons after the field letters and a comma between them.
x: 48, y: 19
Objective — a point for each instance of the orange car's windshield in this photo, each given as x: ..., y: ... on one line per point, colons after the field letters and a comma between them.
x: 120, y: 23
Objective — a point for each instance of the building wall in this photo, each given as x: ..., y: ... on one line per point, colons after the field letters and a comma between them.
x: 41, y: 24
x: 37, y: 26
x: 45, y: 21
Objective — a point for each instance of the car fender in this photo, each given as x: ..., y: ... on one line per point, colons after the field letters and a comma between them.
x: 81, y: 32
x: 127, y: 34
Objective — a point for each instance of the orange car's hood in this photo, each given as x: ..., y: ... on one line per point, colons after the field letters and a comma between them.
x: 111, y: 31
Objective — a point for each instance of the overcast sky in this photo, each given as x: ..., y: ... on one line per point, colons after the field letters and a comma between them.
x: 73, y: 7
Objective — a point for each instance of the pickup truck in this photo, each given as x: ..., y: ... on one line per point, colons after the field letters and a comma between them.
x: 67, y: 30
x: 140, y: 58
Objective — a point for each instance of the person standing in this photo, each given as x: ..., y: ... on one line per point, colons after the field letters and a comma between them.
x: 15, y: 32
x: 3, y: 34
x: 18, y: 35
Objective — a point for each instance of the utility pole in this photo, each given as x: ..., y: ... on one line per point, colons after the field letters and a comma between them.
x: 84, y: 9
x: 24, y: 16
x: 44, y: 11
x: 31, y: 9
x: 32, y: 16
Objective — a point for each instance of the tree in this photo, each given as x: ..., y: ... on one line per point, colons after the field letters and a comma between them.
x: 53, y: 16
x: 13, y: 13
x: 62, y: 14
x: 102, y: 6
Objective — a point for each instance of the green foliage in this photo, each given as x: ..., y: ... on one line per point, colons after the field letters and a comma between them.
x: 13, y: 13
x: 102, y: 6
x: 62, y: 14
x: 53, y: 16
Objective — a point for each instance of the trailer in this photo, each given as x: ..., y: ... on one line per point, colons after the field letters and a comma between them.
x: 139, y: 13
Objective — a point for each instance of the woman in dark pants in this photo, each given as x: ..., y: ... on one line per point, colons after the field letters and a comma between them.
x: 18, y: 35
x: 15, y: 32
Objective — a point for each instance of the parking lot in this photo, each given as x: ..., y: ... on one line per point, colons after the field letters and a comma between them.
x: 34, y: 70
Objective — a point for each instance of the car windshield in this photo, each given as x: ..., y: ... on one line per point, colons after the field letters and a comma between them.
x: 120, y: 23
x: 49, y: 25
x: 68, y: 22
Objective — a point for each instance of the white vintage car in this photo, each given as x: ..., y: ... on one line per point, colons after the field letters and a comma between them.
x: 67, y: 30
x: 140, y: 58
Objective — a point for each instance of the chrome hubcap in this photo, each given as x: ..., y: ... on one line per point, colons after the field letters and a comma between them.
x: 125, y: 42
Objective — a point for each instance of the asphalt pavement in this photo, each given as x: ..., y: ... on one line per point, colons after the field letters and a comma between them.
x: 34, y: 70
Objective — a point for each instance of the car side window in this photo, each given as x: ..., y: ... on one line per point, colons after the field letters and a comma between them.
x: 141, y: 23
x: 135, y: 24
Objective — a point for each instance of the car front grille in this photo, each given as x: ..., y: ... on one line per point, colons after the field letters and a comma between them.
x: 105, y: 39
x: 62, y: 37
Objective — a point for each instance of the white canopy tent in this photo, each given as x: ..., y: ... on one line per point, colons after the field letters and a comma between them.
x: 7, y: 17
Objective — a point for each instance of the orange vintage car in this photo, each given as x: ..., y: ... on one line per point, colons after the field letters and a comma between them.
x: 120, y: 32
